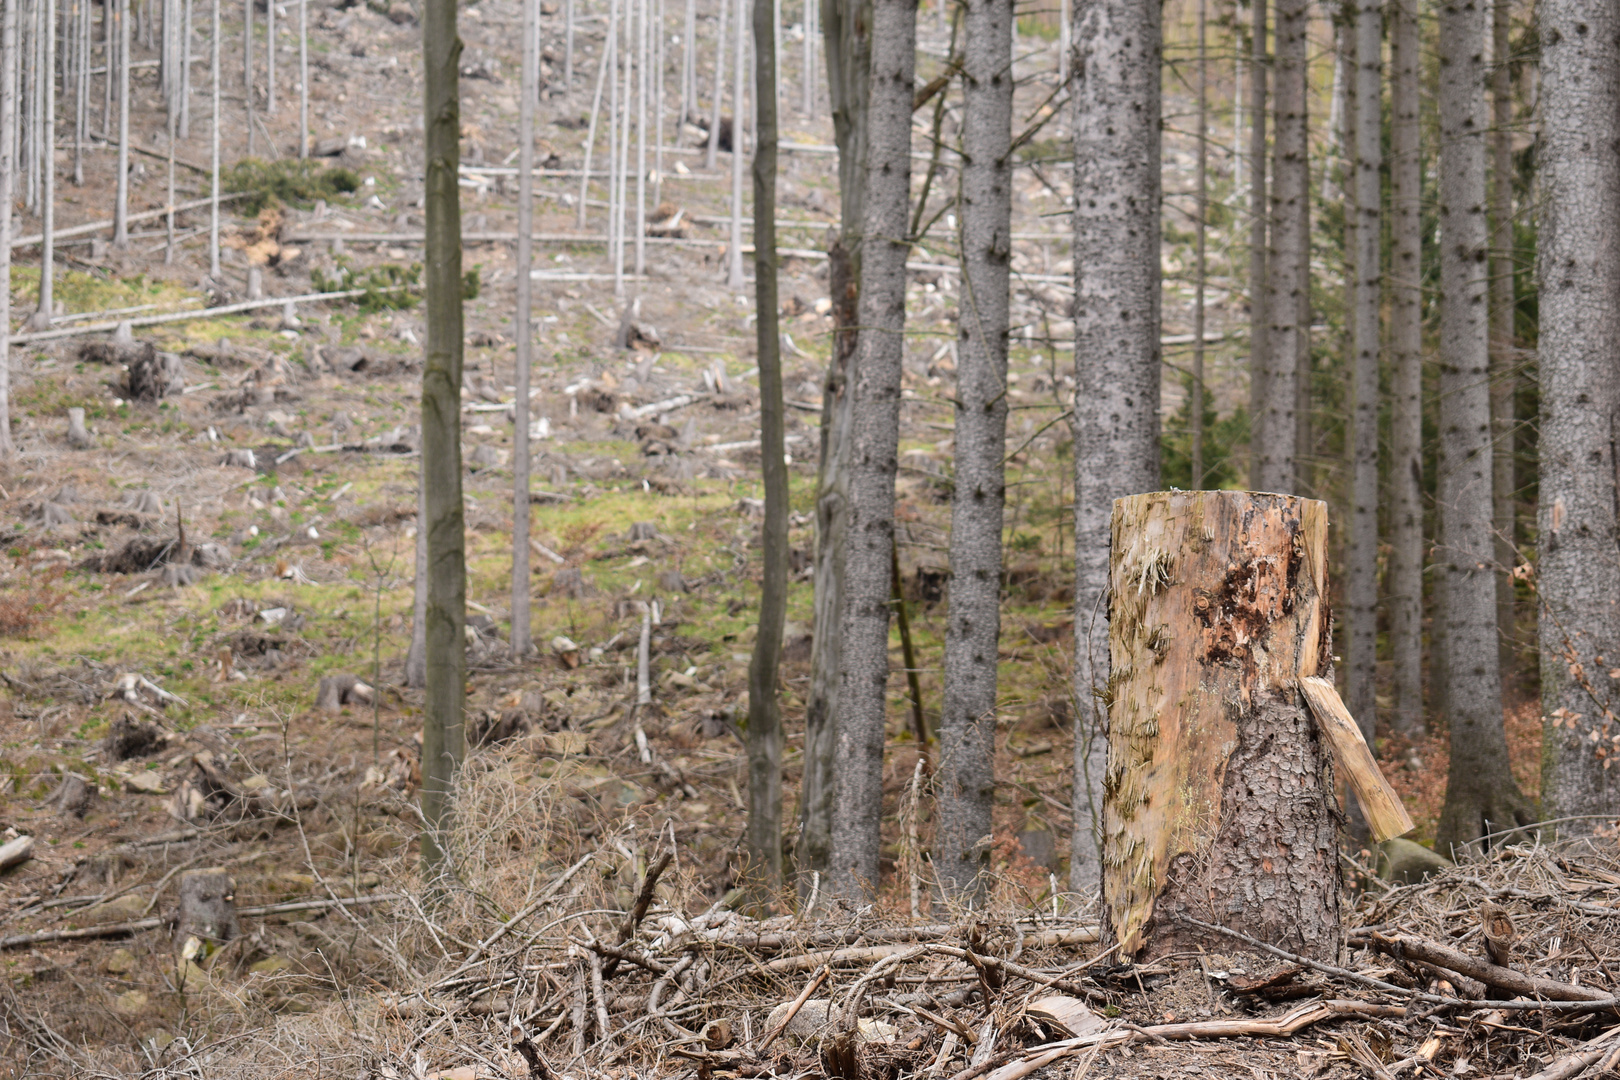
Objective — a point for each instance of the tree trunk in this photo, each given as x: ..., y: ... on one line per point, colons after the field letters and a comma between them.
x: 1219, y: 608
x: 521, y: 640
x: 1481, y: 795
x: 213, y: 137
x: 848, y: 45
x: 1504, y: 359
x: 121, y: 191
x: 47, y: 261
x: 734, y: 259
x: 1259, y: 219
x: 968, y: 721
x: 1200, y: 261
x: 764, y: 711
x: 1404, y: 582
x: 207, y: 907
x: 8, y: 195
x: 874, y: 450
x: 441, y: 430
x: 1287, y: 266
x: 1361, y: 553
x: 1116, y: 347
x: 1578, y: 579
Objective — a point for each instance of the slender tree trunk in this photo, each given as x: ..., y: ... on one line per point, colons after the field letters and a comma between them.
x: 643, y: 54
x: 846, y: 25
x: 874, y: 451
x: 1578, y: 579
x: 247, y: 69
x: 121, y: 197
x: 213, y: 172
x: 1200, y: 228
x: 303, y: 78
x: 522, y: 643
x: 968, y: 721
x: 1287, y: 264
x: 711, y: 155
x: 416, y: 655
x: 441, y: 429
x: 1481, y: 795
x: 1259, y: 222
x: 47, y: 262
x: 1361, y: 553
x: 568, y: 46
x: 1504, y: 358
x: 1404, y: 583
x: 185, y: 70
x: 734, y: 264
x: 270, y: 58
x: 8, y: 195
x: 1116, y: 347
x: 764, y: 711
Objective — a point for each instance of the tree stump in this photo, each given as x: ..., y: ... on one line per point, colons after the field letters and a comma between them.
x: 1218, y: 802
x: 78, y: 437
x: 207, y: 906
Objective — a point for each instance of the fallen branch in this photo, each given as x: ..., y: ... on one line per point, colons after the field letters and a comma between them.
x: 793, y: 1010
x: 638, y: 911
x: 18, y: 941
x: 1475, y: 967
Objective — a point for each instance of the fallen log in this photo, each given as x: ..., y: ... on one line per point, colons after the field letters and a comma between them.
x: 135, y: 926
x: 1503, y: 978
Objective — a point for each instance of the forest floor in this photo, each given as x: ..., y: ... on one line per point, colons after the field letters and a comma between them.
x: 187, y: 700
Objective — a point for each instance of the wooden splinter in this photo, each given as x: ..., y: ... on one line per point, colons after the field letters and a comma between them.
x: 1386, y: 817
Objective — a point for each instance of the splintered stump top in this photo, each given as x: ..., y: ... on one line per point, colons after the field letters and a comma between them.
x: 1218, y: 799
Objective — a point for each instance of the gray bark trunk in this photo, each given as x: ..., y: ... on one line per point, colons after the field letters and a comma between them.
x: 1361, y: 554
x: 1277, y: 423
x: 8, y: 194
x: 441, y: 430
x: 764, y: 711
x: 1116, y: 347
x: 521, y: 641
x: 1481, y: 795
x: 1259, y: 220
x: 47, y: 262
x: 121, y: 192
x: 1504, y: 361
x: 968, y: 725
x: 416, y: 656
x: 848, y: 46
x: 207, y: 907
x: 874, y: 446
x: 1404, y: 583
x: 1578, y: 578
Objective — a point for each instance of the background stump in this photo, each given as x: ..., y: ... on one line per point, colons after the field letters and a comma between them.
x: 1218, y: 802
x: 207, y: 907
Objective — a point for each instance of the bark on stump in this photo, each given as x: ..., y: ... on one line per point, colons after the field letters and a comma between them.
x: 1218, y: 802
x: 207, y: 906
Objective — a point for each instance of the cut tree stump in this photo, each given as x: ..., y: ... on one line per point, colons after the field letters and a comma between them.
x: 1218, y: 802
x: 207, y: 906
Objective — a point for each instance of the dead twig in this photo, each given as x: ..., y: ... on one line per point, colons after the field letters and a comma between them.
x: 793, y: 1010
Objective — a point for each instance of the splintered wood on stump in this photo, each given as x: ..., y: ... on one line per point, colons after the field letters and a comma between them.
x: 207, y: 907
x: 1218, y: 802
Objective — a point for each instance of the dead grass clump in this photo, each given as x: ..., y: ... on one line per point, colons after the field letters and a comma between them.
x: 26, y: 608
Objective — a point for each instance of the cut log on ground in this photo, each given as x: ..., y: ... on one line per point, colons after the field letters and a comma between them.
x: 1475, y: 967
x: 1218, y: 801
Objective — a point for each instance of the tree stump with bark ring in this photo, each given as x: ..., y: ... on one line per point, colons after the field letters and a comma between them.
x: 1218, y: 801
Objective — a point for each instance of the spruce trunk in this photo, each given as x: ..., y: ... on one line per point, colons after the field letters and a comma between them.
x: 1259, y: 221
x: 968, y: 721
x: 873, y: 454
x: 1504, y: 359
x: 1116, y: 346
x: 1404, y: 581
x: 1578, y: 579
x: 1481, y: 795
x: 1219, y: 799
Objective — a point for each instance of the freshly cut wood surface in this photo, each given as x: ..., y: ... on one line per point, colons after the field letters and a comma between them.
x: 1386, y: 817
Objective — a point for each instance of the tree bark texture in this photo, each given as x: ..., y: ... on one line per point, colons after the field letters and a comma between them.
x: 1219, y: 801
x: 1404, y: 580
x: 1361, y: 553
x: 442, y: 740
x: 764, y: 711
x: 848, y: 46
x: 8, y: 195
x: 1116, y: 346
x: 1504, y: 355
x: 1259, y: 219
x: 874, y: 449
x: 1481, y: 795
x: 1578, y: 578
x: 207, y: 908
x: 1277, y: 423
x: 521, y: 639
x: 968, y: 724
x: 121, y: 190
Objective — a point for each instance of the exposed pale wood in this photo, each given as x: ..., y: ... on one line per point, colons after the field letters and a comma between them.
x: 1386, y: 817
x: 16, y: 852
x: 1218, y: 799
